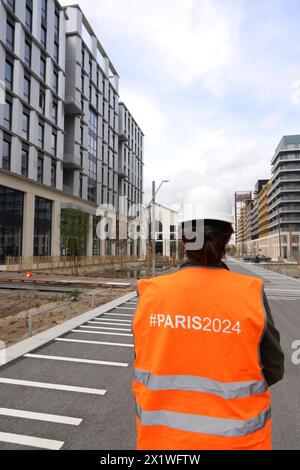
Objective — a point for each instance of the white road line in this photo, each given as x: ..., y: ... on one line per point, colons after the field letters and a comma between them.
x: 95, y: 322
x: 104, y: 328
x: 67, y: 388
x: 40, y: 416
x: 31, y: 441
x: 113, y: 320
x: 102, y: 333
x: 86, y: 341
x: 120, y: 314
x: 76, y: 359
x: 126, y: 308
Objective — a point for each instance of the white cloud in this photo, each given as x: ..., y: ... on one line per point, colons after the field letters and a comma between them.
x: 182, y: 40
x: 205, y: 86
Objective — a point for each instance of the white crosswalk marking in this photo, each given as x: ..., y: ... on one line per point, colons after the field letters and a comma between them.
x: 76, y: 359
x: 102, y: 333
x: 50, y: 418
x: 51, y: 386
x: 31, y: 441
x: 86, y: 341
x: 104, y: 328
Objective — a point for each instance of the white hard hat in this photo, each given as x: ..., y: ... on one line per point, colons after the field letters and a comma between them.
x: 206, y: 202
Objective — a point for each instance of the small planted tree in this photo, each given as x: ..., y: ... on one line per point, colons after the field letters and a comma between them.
x: 74, y: 235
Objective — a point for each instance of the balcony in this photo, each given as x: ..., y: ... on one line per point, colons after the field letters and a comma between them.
x: 122, y: 136
x: 72, y: 105
x: 287, y: 170
x: 284, y: 150
x: 122, y: 173
x: 286, y: 159
x: 71, y: 160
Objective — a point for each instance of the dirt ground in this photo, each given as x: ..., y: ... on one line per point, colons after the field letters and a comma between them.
x: 14, y: 306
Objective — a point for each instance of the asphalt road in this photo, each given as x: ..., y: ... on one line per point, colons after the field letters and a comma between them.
x: 75, y: 392
x: 106, y: 421
x: 284, y: 299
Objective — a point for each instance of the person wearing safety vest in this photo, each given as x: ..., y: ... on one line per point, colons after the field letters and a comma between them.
x: 206, y: 347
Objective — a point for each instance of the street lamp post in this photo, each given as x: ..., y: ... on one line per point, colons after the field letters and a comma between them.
x: 152, y: 204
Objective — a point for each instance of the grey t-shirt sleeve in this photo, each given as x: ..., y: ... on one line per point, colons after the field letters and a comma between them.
x: 271, y: 354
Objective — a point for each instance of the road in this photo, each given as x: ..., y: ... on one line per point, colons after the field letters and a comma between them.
x: 284, y: 298
x: 75, y: 392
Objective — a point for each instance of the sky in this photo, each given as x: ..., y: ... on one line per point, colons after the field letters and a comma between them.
x: 214, y: 84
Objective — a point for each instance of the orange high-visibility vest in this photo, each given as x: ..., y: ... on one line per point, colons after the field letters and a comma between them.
x: 198, y: 381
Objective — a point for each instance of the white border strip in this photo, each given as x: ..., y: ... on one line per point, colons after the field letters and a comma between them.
x: 87, y: 341
x: 31, y: 441
x: 119, y: 314
x: 67, y: 388
x: 76, y: 359
x: 50, y: 418
x: 102, y: 333
x: 104, y: 328
x: 105, y: 322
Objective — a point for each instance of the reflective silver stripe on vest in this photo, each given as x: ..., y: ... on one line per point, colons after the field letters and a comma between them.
x: 204, y: 424
x: 199, y: 384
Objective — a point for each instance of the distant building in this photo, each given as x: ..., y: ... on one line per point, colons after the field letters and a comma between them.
x: 274, y: 216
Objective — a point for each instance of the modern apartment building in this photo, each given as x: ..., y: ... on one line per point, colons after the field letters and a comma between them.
x: 278, y: 207
x: 263, y: 210
x: 59, y: 129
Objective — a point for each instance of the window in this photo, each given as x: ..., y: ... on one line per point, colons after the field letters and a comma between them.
x: 82, y: 83
x: 28, y: 14
x: 54, y: 111
x: 24, y: 161
x: 44, y: 9
x: 10, y: 34
x: 11, y: 222
x: 55, y: 80
x: 43, y: 68
x: 9, y: 73
x: 7, y: 115
x: 54, y: 143
x: 43, y: 36
x: 80, y: 185
x: 27, y: 84
x: 56, y: 51
x: 81, y: 135
x: 6, y: 153
x: 91, y: 66
x: 41, y: 134
x: 11, y: 4
x: 53, y: 173
x: 27, y: 53
x: 82, y: 58
x: 56, y: 23
x: 42, y: 227
x: 42, y: 99
x: 90, y: 91
x: 40, y: 168
x: 25, y: 123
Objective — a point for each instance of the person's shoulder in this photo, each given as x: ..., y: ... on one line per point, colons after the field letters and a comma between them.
x: 245, y: 279
x: 155, y: 282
